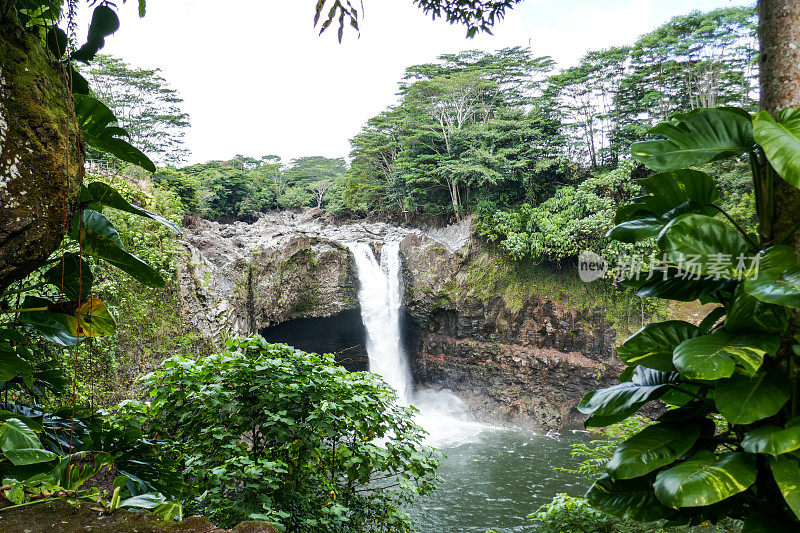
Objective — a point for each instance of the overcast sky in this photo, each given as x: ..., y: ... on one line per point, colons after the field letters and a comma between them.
x: 256, y: 78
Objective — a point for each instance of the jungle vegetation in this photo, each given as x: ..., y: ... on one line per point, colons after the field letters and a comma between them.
x: 496, y: 135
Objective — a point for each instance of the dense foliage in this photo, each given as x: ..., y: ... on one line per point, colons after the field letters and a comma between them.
x: 242, y: 187
x: 736, y: 365
x: 269, y: 432
x: 537, y: 153
x: 144, y: 104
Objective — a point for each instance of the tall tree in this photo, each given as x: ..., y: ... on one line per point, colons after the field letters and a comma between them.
x: 144, y: 105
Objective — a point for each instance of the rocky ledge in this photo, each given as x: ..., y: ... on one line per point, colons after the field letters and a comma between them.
x: 475, y: 326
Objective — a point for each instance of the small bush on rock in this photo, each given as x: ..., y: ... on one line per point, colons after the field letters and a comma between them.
x: 272, y: 433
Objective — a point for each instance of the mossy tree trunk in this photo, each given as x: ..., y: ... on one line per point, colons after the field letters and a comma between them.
x: 41, y: 154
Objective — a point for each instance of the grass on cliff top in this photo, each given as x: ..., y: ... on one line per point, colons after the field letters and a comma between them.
x: 490, y: 275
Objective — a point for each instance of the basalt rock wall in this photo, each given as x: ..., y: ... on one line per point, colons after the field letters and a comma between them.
x: 511, y: 351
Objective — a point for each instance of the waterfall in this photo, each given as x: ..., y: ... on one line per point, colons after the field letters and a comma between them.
x: 380, y: 295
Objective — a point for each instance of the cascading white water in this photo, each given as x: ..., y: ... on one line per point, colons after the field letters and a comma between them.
x: 380, y: 296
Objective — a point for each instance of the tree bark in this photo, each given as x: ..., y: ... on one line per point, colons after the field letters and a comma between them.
x: 779, y: 75
x: 41, y: 155
x: 779, y: 63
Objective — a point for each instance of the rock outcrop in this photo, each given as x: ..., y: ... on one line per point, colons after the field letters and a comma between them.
x: 476, y: 326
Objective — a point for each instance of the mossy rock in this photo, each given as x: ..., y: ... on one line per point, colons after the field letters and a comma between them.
x: 41, y: 155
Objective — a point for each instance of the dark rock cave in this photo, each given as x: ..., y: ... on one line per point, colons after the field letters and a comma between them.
x: 342, y: 334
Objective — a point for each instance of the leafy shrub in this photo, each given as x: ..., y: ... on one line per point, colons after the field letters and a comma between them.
x: 574, y: 219
x: 272, y: 433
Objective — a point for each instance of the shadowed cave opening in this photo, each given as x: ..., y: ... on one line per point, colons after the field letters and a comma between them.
x: 342, y: 334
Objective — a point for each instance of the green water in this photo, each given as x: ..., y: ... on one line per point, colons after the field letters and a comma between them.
x: 493, y: 478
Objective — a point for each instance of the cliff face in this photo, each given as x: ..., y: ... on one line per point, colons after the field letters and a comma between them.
x: 497, y: 339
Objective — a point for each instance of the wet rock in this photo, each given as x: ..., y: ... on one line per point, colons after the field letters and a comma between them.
x: 506, y: 347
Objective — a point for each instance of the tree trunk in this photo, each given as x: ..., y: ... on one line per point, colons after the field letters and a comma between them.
x: 779, y: 64
x: 41, y: 155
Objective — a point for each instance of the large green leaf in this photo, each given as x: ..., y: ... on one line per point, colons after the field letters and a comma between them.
x: 12, y: 365
x: 73, y: 275
x: 85, y: 318
x: 632, y: 499
x: 717, y: 354
x: 744, y: 400
x: 653, y: 447
x: 103, y: 227
x: 104, y: 22
x: 700, y: 136
x: 705, y: 479
x: 45, y: 322
x: 96, y: 242
x: 652, y: 346
x: 94, y: 118
x: 703, y: 244
x: 773, y: 440
x: 780, y: 140
x: 786, y: 472
x: 637, y: 229
x: 15, y: 435
x: 30, y: 456
x: 98, y: 193
x: 673, y: 194
x: 615, y: 403
x: 747, y: 313
x: 778, y: 279
x: 676, y: 285
x: 671, y: 189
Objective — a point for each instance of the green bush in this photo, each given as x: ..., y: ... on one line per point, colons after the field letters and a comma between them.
x: 574, y: 219
x: 272, y: 433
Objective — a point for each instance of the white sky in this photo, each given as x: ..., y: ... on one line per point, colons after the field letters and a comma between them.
x: 256, y: 78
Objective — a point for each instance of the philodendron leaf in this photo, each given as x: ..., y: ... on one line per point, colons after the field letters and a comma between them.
x: 12, y: 365
x: 718, y: 354
x: 773, y: 440
x: 673, y: 194
x: 676, y: 285
x: 15, y: 435
x: 703, y: 245
x: 72, y: 275
x: 30, y: 456
x: 778, y: 278
x: 701, y: 136
x: 94, y: 118
x: 46, y: 322
x: 747, y: 313
x: 96, y: 237
x: 637, y: 229
x: 98, y: 193
x: 86, y: 318
x: 705, y: 479
x: 786, y: 472
x: 653, y: 447
x: 615, y: 403
x: 632, y: 499
x: 671, y: 189
x: 652, y: 346
x: 744, y: 400
x: 780, y: 139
